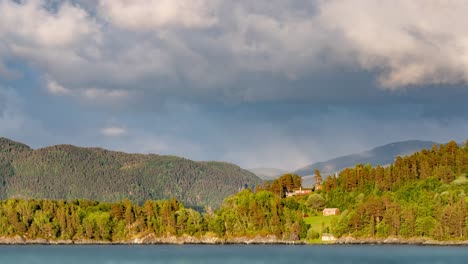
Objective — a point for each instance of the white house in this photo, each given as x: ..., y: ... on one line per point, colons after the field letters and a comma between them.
x: 328, y: 237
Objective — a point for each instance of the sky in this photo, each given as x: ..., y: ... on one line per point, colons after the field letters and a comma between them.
x: 265, y: 83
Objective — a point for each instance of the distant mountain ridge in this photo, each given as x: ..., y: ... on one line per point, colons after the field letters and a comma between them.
x: 382, y: 155
x: 267, y: 173
x: 69, y: 172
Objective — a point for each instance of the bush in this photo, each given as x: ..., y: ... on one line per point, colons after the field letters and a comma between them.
x: 316, y: 202
x: 312, y: 234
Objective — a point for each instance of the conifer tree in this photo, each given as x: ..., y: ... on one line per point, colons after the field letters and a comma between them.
x: 318, y: 176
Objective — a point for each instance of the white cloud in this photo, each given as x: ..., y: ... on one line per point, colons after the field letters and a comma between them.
x: 410, y: 42
x: 29, y: 23
x: 113, y: 131
x: 153, y: 14
x: 90, y: 95
x: 97, y: 94
x: 55, y: 88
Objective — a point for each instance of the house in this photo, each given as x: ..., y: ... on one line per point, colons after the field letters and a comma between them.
x: 318, y: 186
x: 299, y: 192
x: 328, y: 237
x: 331, y: 211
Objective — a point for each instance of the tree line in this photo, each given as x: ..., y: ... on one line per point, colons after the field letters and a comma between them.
x: 285, y: 183
x: 242, y: 215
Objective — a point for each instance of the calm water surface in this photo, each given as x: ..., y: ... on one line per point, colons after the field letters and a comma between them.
x: 231, y: 254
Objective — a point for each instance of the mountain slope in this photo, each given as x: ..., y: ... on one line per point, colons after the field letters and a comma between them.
x: 69, y: 172
x: 267, y: 173
x: 377, y: 156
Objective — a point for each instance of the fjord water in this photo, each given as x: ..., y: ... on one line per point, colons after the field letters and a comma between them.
x: 231, y: 254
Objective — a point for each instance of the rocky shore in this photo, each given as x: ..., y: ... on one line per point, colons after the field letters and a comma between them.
x: 212, y: 240
x: 149, y: 240
x: 397, y: 241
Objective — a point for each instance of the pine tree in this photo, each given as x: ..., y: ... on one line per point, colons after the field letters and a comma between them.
x: 318, y: 177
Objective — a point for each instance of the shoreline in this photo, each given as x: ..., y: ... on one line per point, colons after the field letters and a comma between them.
x: 183, y: 240
x: 398, y: 241
x: 187, y: 240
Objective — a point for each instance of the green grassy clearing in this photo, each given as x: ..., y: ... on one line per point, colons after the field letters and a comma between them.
x: 316, y: 222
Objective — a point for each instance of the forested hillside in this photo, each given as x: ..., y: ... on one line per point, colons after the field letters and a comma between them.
x: 69, y: 172
x: 422, y: 195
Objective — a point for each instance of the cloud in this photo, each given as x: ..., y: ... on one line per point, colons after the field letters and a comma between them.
x: 142, y: 15
x: 55, y: 88
x: 30, y: 24
x: 113, y: 131
x: 92, y: 95
x: 55, y: 41
x: 410, y: 43
x: 232, y: 51
x: 193, y: 49
x: 97, y: 94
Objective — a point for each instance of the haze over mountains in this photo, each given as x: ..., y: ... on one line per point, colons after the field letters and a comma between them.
x: 381, y: 155
x: 69, y: 172
x: 267, y: 173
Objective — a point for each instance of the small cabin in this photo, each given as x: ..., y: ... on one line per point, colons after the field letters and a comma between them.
x: 328, y: 237
x: 331, y: 211
x: 299, y: 192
